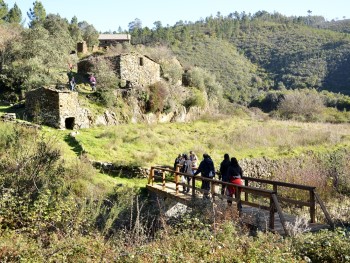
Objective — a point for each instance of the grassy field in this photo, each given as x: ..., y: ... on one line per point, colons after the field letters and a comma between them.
x: 145, y: 145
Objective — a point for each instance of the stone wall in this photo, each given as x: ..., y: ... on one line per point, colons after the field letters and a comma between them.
x: 136, y: 69
x: 82, y: 47
x: 43, y: 105
x: 57, y: 108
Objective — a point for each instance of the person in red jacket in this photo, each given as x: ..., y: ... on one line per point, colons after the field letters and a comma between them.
x: 234, y: 175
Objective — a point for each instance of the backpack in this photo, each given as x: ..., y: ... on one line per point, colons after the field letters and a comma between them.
x: 212, y: 174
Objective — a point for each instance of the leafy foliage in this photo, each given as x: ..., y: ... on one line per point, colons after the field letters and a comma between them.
x: 158, y: 96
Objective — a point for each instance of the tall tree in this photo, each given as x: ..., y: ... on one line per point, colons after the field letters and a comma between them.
x: 90, y: 34
x: 74, y: 30
x: 3, y: 10
x: 136, y: 24
x: 37, y: 14
x: 14, y: 15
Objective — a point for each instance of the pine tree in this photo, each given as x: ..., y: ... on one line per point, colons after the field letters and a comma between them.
x: 3, y: 10
x: 37, y: 14
x: 14, y: 15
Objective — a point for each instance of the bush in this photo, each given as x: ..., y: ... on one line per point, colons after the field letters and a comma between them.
x: 198, y: 99
x: 325, y: 246
x: 158, y: 94
x: 107, y: 82
x: 300, y: 104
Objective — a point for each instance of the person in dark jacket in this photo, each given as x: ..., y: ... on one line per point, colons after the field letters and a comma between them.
x: 223, y: 171
x: 234, y: 174
x: 204, y: 168
x: 177, y: 161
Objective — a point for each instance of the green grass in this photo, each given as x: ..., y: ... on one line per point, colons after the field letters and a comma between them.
x: 145, y: 145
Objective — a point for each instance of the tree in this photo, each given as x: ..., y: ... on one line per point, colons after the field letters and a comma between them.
x: 3, y: 10
x: 54, y: 23
x: 14, y: 15
x: 134, y: 25
x: 90, y: 34
x: 309, y: 16
x: 74, y: 30
x: 37, y: 14
x: 157, y: 25
x: 9, y: 34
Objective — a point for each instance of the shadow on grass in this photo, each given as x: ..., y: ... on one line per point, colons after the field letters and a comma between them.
x: 18, y: 109
x: 72, y: 142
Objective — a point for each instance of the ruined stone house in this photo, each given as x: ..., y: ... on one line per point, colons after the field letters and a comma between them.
x: 136, y: 69
x: 132, y: 68
x: 56, y: 108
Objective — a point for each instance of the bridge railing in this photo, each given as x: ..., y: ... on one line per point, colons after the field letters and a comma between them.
x: 313, y: 199
x: 272, y: 205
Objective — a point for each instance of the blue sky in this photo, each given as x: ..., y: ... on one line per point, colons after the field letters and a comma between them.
x: 110, y: 14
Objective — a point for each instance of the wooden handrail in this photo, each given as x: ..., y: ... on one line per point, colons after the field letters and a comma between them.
x: 265, y: 193
x: 278, y: 183
x: 313, y: 197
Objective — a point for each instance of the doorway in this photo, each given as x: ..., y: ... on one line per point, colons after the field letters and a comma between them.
x: 70, y: 123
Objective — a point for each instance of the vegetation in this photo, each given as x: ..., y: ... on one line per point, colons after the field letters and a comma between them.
x: 54, y: 210
x: 255, y: 76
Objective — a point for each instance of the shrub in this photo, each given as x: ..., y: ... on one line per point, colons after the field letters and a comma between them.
x: 107, y: 82
x: 171, y: 70
x: 197, y: 99
x: 324, y: 246
x: 301, y: 104
x: 158, y: 94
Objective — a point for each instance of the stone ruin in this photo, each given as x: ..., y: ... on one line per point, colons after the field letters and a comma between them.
x: 132, y: 68
x: 56, y: 108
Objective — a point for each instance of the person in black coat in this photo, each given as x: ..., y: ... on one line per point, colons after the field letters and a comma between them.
x: 223, y: 171
x: 204, y: 168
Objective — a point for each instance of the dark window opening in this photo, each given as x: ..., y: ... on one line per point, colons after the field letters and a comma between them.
x: 141, y: 61
x: 69, y: 123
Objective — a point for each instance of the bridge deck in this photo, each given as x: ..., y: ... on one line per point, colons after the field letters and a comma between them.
x: 249, y: 215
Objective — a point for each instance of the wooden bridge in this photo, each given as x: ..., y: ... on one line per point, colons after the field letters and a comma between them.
x: 259, y: 201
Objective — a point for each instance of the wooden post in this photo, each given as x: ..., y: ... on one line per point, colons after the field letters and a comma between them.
x: 280, y: 214
x: 212, y: 189
x: 272, y: 214
x: 193, y: 186
x: 324, y: 209
x: 238, y: 197
x: 246, y: 183
x: 275, y: 188
x: 163, y: 178
x: 151, y: 176
x: 312, y: 207
x: 177, y: 182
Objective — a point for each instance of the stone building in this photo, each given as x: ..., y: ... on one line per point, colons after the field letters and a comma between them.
x: 136, y: 69
x: 107, y: 40
x: 82, y: 47
x: 132, y: 68
x: 56, y: 108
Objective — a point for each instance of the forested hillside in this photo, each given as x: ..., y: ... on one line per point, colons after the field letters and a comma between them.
x: 246, y: 59
x: 291, y: 50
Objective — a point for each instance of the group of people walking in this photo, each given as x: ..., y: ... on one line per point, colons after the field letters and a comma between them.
x: 230, y: 172
x: 72, y: 83
x: 188, y: 164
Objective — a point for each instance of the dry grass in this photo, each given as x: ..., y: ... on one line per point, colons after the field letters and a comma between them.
x: 243, y: 138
